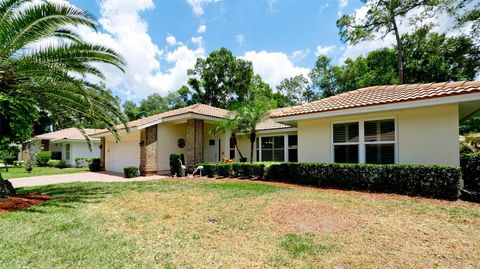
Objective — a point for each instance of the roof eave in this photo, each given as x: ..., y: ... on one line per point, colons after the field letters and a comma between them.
x: 455, y: 99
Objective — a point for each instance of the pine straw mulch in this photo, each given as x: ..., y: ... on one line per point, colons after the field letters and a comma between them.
x: 22, y: 201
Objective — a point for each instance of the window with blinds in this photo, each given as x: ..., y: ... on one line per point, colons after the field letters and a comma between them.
x: 371, y: 142
x: 346, y: 142
x: 380, y: 141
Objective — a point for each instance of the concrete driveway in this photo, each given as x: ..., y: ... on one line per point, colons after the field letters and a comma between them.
x: 78, y: 177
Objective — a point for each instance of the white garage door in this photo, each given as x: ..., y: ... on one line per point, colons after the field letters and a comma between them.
x: 122, y: 154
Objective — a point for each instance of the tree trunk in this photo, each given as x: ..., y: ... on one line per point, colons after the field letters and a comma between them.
x: 401, y: 76
x: 234, y: 137
x: 6, y: 188
x: 253, y: 135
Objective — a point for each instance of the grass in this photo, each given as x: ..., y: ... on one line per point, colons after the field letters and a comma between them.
x: 16, y: 171
x: 204, y: 224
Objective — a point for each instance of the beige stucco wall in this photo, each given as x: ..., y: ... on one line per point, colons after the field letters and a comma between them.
x: 211, y: 153
x: 122, y: 154
x: 168, y: 136
x: 425, y: 136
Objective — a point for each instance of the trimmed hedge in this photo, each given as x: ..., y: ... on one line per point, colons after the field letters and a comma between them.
x: 94, y: 166
x: 83, y: 162
x: 130, y: 171
x: 470, y: 164
x: 43, y: 157
x: 245, y: 170
x: 57, y: 163
x: 175, y: 167
x: 417, y: 180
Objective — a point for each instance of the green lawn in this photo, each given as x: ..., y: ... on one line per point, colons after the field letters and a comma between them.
x: 15, y: 172
x: 211, y: 224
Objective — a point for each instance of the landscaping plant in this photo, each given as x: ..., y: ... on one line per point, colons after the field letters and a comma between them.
x: 43, y: 157
x: 130, y: 171
x: 176, y: 161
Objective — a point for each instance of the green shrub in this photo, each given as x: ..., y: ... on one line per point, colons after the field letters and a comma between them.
x: 249, y: 170
x: 57, y: 163
x: 209, y: 169
x: 83, y: 162
x: 94, y: 166
x: 56, y: 155
x: 224, y: 169
x: 419, y: 180
x: 18, y: 163
x: 470, y: 164
x: 43, y: 157
x: 175, y: 167
x: 130, y: 171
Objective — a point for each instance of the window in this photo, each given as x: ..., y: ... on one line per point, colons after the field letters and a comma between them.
x: 67, y: 151
x: 273, y: 148
x: 380, y: 141
x: 346, y: 142
x: 232, y: 149
x: 293, y: 148
x: 365, y: 142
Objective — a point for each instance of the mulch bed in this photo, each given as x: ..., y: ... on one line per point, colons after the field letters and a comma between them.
x: 23, y: 201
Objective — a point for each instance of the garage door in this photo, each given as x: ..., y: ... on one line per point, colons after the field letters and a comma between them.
x: 122, y: 154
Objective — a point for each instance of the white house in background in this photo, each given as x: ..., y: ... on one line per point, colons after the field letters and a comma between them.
x: 68, y: 144
x: 398, y: 124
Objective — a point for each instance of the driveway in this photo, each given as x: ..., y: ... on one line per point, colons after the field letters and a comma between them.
x: 78, y: 177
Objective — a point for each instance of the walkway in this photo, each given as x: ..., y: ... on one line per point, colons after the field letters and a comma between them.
x: 78, y: 177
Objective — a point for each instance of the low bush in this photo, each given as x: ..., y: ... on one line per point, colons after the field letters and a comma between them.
x: 246, y: 170
x: 418, y: 180
x: 43, y: 157
x: 18, y: 163
x: 470, y: 164
x: 209, y: 169
x: 130, y: 171
x: 175, y: 166
x: 94, y: 166
x: 83, y: 162
x: 57, y: 163
x: 56, y: 155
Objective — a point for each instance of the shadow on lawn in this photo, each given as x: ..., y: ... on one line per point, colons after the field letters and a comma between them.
x: 68, y: 195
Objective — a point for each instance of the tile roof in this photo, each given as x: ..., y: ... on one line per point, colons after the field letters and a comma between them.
x: 198, y: 109
x: 378, y: 95
x: 269, y: 124
x: 69, y: 133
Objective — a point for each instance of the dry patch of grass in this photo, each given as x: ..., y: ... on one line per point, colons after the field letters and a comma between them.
x: 245, y: 226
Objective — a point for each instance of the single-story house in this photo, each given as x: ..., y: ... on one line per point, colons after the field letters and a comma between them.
x: 398, y: 124
x: 67, y: 144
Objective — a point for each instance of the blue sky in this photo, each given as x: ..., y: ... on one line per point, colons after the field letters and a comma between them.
x: 160, y: 39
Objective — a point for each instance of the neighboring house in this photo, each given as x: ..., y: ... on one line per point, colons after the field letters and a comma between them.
x: 67, y: 144
x: 399, y: 124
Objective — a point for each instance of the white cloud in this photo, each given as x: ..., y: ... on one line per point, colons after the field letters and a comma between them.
x: 323, y: 7
x: 342, y: 3
x: 197, y: 5
x: 202, y: 29
x: 324, y: 50
x: 300, y: 54
x: 240, y: 39
x: 197, y: 40
x: 273, y: 66
x: 271, y: 5
x: 126, y: 32
x: 171, y: 40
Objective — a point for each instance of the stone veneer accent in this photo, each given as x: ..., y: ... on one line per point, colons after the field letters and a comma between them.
x: 194, y: 143
x: 148, y: 151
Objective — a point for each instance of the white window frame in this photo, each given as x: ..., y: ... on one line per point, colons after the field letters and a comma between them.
x: 361, y: 138
x: 230, y: 150
x: 68, y: 151
x: 285, y: 145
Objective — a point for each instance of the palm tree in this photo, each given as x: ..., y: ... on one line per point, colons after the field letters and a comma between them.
x: 248, y: 117
x: 230, y: 124
x: 44, y: 64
